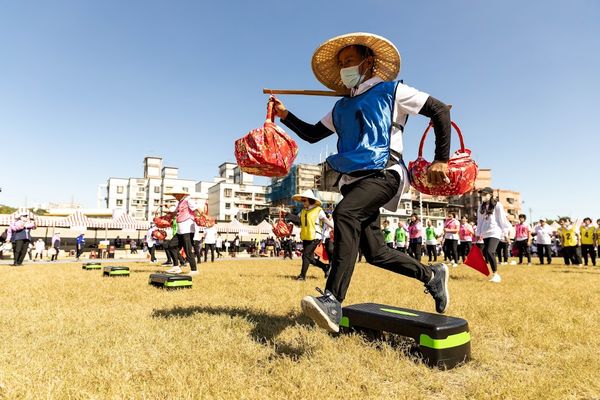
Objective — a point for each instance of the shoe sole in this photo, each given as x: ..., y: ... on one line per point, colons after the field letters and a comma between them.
x: 314, y: 312
x: 446, y: 273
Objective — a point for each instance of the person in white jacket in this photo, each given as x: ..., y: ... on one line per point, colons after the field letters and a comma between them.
x: 492, y: 226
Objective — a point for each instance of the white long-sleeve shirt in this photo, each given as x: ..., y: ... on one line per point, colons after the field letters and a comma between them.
x: 543, y: 234
x: 494, y: 225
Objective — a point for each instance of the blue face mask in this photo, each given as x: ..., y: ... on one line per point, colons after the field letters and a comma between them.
x: 351, y: 76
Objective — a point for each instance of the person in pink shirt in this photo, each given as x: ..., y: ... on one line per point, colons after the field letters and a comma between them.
x: 451, y: 226
x: 465, y: 234
x: 186, y: 227
x: 523, y: 239
x: 415, y: 237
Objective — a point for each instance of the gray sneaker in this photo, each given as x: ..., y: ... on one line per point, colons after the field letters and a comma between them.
x: 438, y: 287
x: 324, y: 310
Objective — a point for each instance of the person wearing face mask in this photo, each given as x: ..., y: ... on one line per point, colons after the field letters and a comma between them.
x: 369, y: 122
x: 492, y: 226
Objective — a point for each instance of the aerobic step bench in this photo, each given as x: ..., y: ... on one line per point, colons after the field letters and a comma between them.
x: 441, y: 341
x: 170, y: 281
x: 115, y: 271
x: 91, y: 265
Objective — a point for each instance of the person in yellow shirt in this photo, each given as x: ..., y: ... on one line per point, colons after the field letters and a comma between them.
x: 569, y: 239
x: 312, y: 219
x: 587, y: 232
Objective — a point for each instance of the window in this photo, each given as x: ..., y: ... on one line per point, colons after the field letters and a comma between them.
x: 228, y: 192
x: 156, y: 202
x: 186, y: 189
x: 119, y: 202
x: 227, y: 206
x: 120, y: 189
x: 156, y: 189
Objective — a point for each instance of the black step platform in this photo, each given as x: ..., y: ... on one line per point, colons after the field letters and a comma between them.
x: 170, y: 281
x: 442, y: 341
x: 115, y: 271
x: 91, y: 265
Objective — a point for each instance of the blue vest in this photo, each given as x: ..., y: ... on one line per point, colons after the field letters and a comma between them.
x: 363, y: 124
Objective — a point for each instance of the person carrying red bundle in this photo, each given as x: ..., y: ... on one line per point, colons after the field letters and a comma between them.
x: 369, y: 123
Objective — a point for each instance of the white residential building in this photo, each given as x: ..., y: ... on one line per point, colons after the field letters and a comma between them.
x: 232, y: 194
x: 140, y: 197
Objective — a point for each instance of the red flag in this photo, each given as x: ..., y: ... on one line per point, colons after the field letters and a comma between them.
x: 476, y: 260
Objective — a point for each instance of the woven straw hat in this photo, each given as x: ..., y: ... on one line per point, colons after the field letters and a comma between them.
x: 307, y: 194
x: 325, y: 64
x: 177, y: 192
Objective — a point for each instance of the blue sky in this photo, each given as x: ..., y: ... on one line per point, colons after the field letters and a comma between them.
x: 88, y: 88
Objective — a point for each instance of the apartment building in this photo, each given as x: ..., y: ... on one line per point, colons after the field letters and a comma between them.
x: 233, y: 194
x: 140, y: 197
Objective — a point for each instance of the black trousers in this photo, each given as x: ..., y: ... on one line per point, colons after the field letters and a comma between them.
x: 79, y: 250
x: 523, y: 250
x: 463, y: 249
x: 356, y: 225
x: 198, y: 250
x: 502, y: 250
x: 451, y: 249
x: 432, y: 252
x: 308, y: 256
x: 415, y: 249
x: 489, y: 251
x: 55, y: 255
x: 329, y: 248
x: 186, y: 243
x: 544, y: 249
x: 211, y: 247
x: 588, y: 249
x: 571, y: 255
x: 20, y: 248
x: 152, y: 252
x: 172, y: 250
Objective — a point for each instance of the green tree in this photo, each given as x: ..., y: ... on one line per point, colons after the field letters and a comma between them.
x: 6, y: 209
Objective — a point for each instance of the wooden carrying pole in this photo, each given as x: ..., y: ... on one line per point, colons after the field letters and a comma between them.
x: 306, y: 92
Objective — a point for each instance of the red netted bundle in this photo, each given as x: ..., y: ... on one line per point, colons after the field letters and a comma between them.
x: 281, y: 229
x: 201, y: 218
x: 163, y: 220
x: 462, y: 171
x: 266, y: 151
x: 159, y: 234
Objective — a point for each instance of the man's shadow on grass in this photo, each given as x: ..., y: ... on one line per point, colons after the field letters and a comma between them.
x: 266, y: 327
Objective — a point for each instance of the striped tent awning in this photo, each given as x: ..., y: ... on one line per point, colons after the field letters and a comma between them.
x: 126, y: 221
x: 76, y: 220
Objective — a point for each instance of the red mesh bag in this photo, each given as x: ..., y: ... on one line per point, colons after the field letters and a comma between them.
x: 281, y: 229
x: 321, y: 252
x: 159, y: 234
x: 163, y: 220
x: 266, y: 151
x: 201, y: 218
x: 462, y: 171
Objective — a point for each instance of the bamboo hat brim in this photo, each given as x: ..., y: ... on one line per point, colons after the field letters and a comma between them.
x: 325, y: 64
x: 308, y: 194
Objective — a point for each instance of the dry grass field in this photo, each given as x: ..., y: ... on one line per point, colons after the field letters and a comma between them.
x: 238, y: 333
